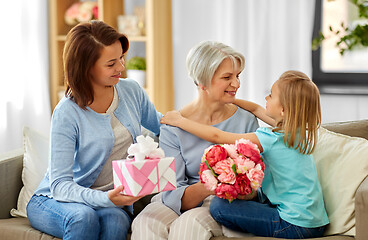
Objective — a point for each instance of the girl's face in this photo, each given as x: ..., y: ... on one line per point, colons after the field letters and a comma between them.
x: 274, y: 108
x: 107, y: 70
x: 225, y: 82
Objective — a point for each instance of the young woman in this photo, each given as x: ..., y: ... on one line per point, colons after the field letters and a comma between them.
x: 184, y: 213
x: 95, y: 123
x: 290, y: 202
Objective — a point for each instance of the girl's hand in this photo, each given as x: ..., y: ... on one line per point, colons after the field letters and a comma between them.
x: 248, y: 197
x: 172, y: 118
x: 120, y: 199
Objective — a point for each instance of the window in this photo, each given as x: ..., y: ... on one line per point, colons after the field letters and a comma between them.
x: 333, y: 72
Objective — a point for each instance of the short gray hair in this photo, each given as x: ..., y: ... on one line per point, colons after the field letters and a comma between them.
x: 204, y: 59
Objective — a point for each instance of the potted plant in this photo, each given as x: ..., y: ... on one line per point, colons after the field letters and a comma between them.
x: 136, y: 69
x: 350, y: 37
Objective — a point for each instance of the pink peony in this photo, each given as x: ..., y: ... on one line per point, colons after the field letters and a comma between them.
x: 216, y: 154
x: 248, y: 142
x: 225, y: 171
x: 210, y: 182
x: 243, y: 165
x: 203, y: 167
x: 231, y: 150
x: 226, y: 191
x: 262, y: 165
x: 84, y: 15
x: 71, y: 14
x: 255, y: 176
x: 73, y: 11
x: 95, y: 12
x: 232, y: 170
x: 81, y: 12
x: 248, y: 149
x: 242, y: 184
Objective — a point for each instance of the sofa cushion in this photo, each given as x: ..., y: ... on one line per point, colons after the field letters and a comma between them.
x: 35, y: 163
x: 267, y: 238
x: 20, y: 228
x: 342, y: 165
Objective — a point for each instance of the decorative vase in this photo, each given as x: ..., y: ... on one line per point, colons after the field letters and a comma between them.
x: 137, y: 75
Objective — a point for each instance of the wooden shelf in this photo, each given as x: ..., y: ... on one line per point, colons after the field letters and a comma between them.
x: 137, y: 38
x: 158, y: 45
x: 61, y: 88
x: 61, y: 37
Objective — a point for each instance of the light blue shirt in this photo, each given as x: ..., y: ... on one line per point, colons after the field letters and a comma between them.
x: 81, y: 141
x: 291, y: 182
x: 188, y: 149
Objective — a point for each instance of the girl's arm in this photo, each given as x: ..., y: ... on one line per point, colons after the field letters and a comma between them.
x: 206, y: 132
x: 256, y: 109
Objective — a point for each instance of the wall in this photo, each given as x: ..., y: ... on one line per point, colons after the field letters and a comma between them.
x: 274, y: 36
x: 343, y: 107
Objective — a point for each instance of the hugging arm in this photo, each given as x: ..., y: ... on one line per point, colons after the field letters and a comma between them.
x: 256, y: 109
x: 206, y: 132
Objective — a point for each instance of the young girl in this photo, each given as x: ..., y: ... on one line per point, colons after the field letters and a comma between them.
x: 290, y: 202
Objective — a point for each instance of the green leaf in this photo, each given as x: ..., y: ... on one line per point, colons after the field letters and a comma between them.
x: 349, y: 38
x: 213, y: 172
x: 316, y: 42
x: 233, y: 167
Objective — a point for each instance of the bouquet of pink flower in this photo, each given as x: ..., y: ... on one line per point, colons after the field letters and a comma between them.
x: 232, y: 169
x: 81, y: 12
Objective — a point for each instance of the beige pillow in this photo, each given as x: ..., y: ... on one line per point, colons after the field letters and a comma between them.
x: 35, y: 162
x: 342, y: 164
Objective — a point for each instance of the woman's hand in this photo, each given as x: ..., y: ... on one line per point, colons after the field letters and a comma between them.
x: 120, y: 199
x: 205, y: 190
x: 172, y: 118
x: 193, y: 195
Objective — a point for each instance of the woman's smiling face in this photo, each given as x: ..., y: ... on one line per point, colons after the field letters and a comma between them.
x: 225, y: 82
x: 107, y: 70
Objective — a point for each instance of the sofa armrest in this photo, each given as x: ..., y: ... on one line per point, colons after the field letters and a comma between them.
x: 361, y: 211
x: 11, y: 165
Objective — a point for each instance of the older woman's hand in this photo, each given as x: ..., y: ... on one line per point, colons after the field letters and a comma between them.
x: 172, y: 118
x: 120, y: 199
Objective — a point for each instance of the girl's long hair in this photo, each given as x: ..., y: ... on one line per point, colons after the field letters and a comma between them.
x: 299, y: 97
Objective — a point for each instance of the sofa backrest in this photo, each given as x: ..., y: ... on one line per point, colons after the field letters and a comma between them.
x: 353, y: 128
x: 11, y: 165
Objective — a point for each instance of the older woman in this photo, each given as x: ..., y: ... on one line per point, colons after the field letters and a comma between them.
x: 183, y: 213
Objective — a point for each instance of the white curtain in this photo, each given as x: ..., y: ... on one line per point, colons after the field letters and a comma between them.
x: 24, y: 67
x: 274, y: 36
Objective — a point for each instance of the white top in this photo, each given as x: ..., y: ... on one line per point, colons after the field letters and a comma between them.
x: 123, y: 139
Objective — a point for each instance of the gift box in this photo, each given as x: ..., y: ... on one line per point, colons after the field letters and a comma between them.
x: 147, y: 171
x: 145, y: 177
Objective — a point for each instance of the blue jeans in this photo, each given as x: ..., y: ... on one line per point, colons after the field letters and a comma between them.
x: 261, y: 219
x: 76, y: 220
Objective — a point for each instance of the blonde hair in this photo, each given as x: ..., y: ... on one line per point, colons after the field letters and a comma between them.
x: 299, y: 97
x: 204, y: 59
